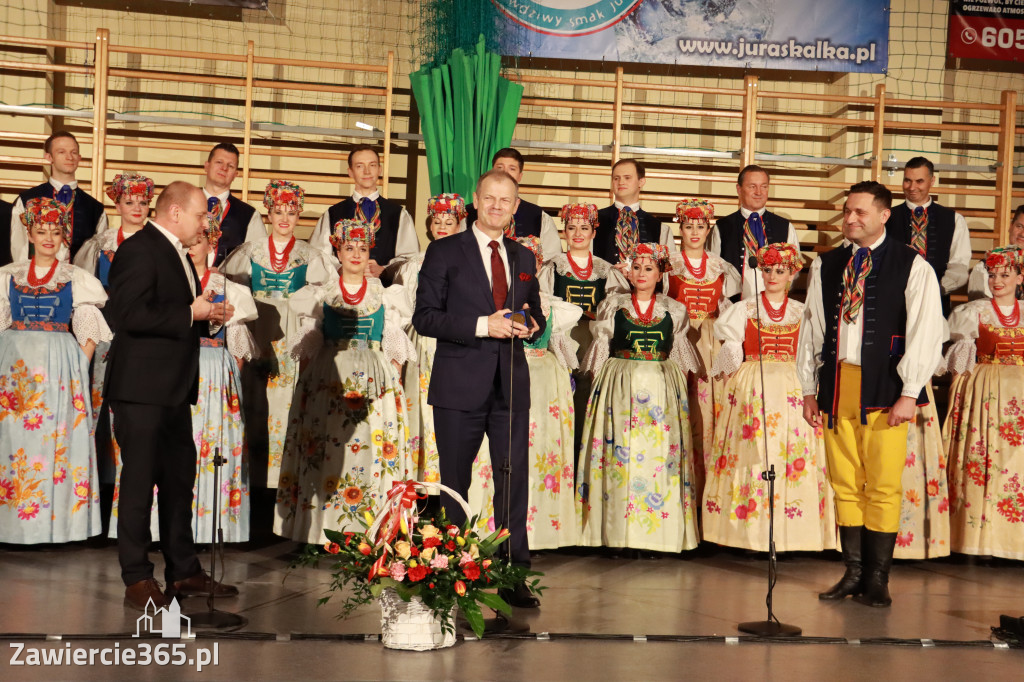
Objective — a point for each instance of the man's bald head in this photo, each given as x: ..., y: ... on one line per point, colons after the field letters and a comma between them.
x: 181, y: 210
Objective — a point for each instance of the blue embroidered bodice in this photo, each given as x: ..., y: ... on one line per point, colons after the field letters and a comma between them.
x: 41, y: 308
x: 269, y: 284
x: 343, y: 323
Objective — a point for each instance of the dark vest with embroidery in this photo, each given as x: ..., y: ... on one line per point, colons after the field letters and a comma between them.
x: 941, y: 222
x: 527, y: 218
x: 387, y: 236
x: 604, y: 240
x: 730, y: 233
x: 884, y: 311
x: 5, y: 232
x: 87, y: 213
x: 234, y: 227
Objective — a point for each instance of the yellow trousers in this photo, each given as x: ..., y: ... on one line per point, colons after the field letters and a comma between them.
x: 865, y: 461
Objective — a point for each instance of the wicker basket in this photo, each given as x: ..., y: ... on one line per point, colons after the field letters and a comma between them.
x: 411, y: 625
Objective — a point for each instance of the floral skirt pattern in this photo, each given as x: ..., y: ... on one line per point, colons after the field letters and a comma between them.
x: 107, y: 452
x: 49, y: 484
x: 217, y: 424
x: 348, y: 440
x: 924, y: 510
x: 635, y: 476
x: 423, y: 441
x: 985, y: 434
x: 705, y: 399
x: 735, y: 505
x: 550, y: 516
x: 269, y: 383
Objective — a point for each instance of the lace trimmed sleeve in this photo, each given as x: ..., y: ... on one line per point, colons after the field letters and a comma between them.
x: 5, y: 302
x: 563, y: 319
x: 396, y: 344
x: 306, y: 340
x: 963, y: 331
x: 729, y: 330
x: 601, y: 329
x: 683, y: 353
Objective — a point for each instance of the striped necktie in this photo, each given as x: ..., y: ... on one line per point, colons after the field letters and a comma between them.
x: 919, y: 230
x: 853, y: 284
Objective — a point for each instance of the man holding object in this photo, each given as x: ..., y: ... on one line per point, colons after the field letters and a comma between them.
x: 864, y: 356
x: 158, y: 313
x: 481, y: 382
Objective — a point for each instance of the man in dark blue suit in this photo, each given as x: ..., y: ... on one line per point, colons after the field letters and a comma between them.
x: 480, y: 381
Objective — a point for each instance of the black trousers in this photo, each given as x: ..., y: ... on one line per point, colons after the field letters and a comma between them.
x: 156, y: 449
x: 459, y: 435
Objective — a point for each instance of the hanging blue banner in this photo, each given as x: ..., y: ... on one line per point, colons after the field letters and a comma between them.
x: 809, y: 35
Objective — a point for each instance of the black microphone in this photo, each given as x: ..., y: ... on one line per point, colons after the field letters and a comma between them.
x: 752, y: 262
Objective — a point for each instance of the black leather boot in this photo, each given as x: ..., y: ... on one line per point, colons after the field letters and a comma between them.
x: 878, y: 549
x: 850, y: 583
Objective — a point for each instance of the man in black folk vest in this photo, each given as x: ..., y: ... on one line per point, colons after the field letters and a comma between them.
x: 239, y: 222
x: 530, y: 220
x: 396, y: 232
x: 870, y: 339
x: 5, y: 232
x: 87, y: 218
x: 738, y: 235
x: 938, y: 233
x: 628, y: 179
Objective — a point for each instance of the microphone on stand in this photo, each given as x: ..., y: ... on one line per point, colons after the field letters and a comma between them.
x: 771, y: 627
x: 212, y: 618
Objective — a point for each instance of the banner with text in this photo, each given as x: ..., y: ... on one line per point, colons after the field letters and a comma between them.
x: 811, y: 35
x: 987, y: 29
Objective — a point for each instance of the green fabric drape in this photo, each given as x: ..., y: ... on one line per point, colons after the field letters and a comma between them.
x: 467, y: 112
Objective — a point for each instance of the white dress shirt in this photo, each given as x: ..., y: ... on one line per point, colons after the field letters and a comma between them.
x: 483, y: 242
x: 926, y: 330
x: 753, y: 281
x: 959, y: 251
x: 19, y: 235
x: 407, y: 242
x: 182, y: 256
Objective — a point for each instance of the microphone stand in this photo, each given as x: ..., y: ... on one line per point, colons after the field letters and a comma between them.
x: 502, y: 623
x: 771, y: 627
x: 212, y: 619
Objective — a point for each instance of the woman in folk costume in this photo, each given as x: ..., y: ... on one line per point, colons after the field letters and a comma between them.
x: 581, y: 278
x: 50, y: 324
x: 348, y: 437
x: 758, y: 339
x: 550, y: 510
x: 217, y: 422
x: 703, y: 283
x: 635, y: 474
x: 985, y: 425
x: 274, y: 270
x: 131, y: 193
x: 444, y: 213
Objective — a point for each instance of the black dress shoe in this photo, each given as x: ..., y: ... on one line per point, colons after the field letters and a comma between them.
x: 520, y: 597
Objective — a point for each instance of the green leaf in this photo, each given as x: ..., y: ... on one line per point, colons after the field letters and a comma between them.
x: 471, y: 610
x: 335, y: 536
x: 492, y: 600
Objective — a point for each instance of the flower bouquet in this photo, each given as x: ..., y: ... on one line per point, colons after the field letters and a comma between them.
x: 428, y: 560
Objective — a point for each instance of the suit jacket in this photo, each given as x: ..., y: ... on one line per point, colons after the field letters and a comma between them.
x: 5, y: 232
x: 154, y: 357
x: 453, y: 293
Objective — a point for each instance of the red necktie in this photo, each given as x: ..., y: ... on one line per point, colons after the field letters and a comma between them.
x: 499, y: 287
